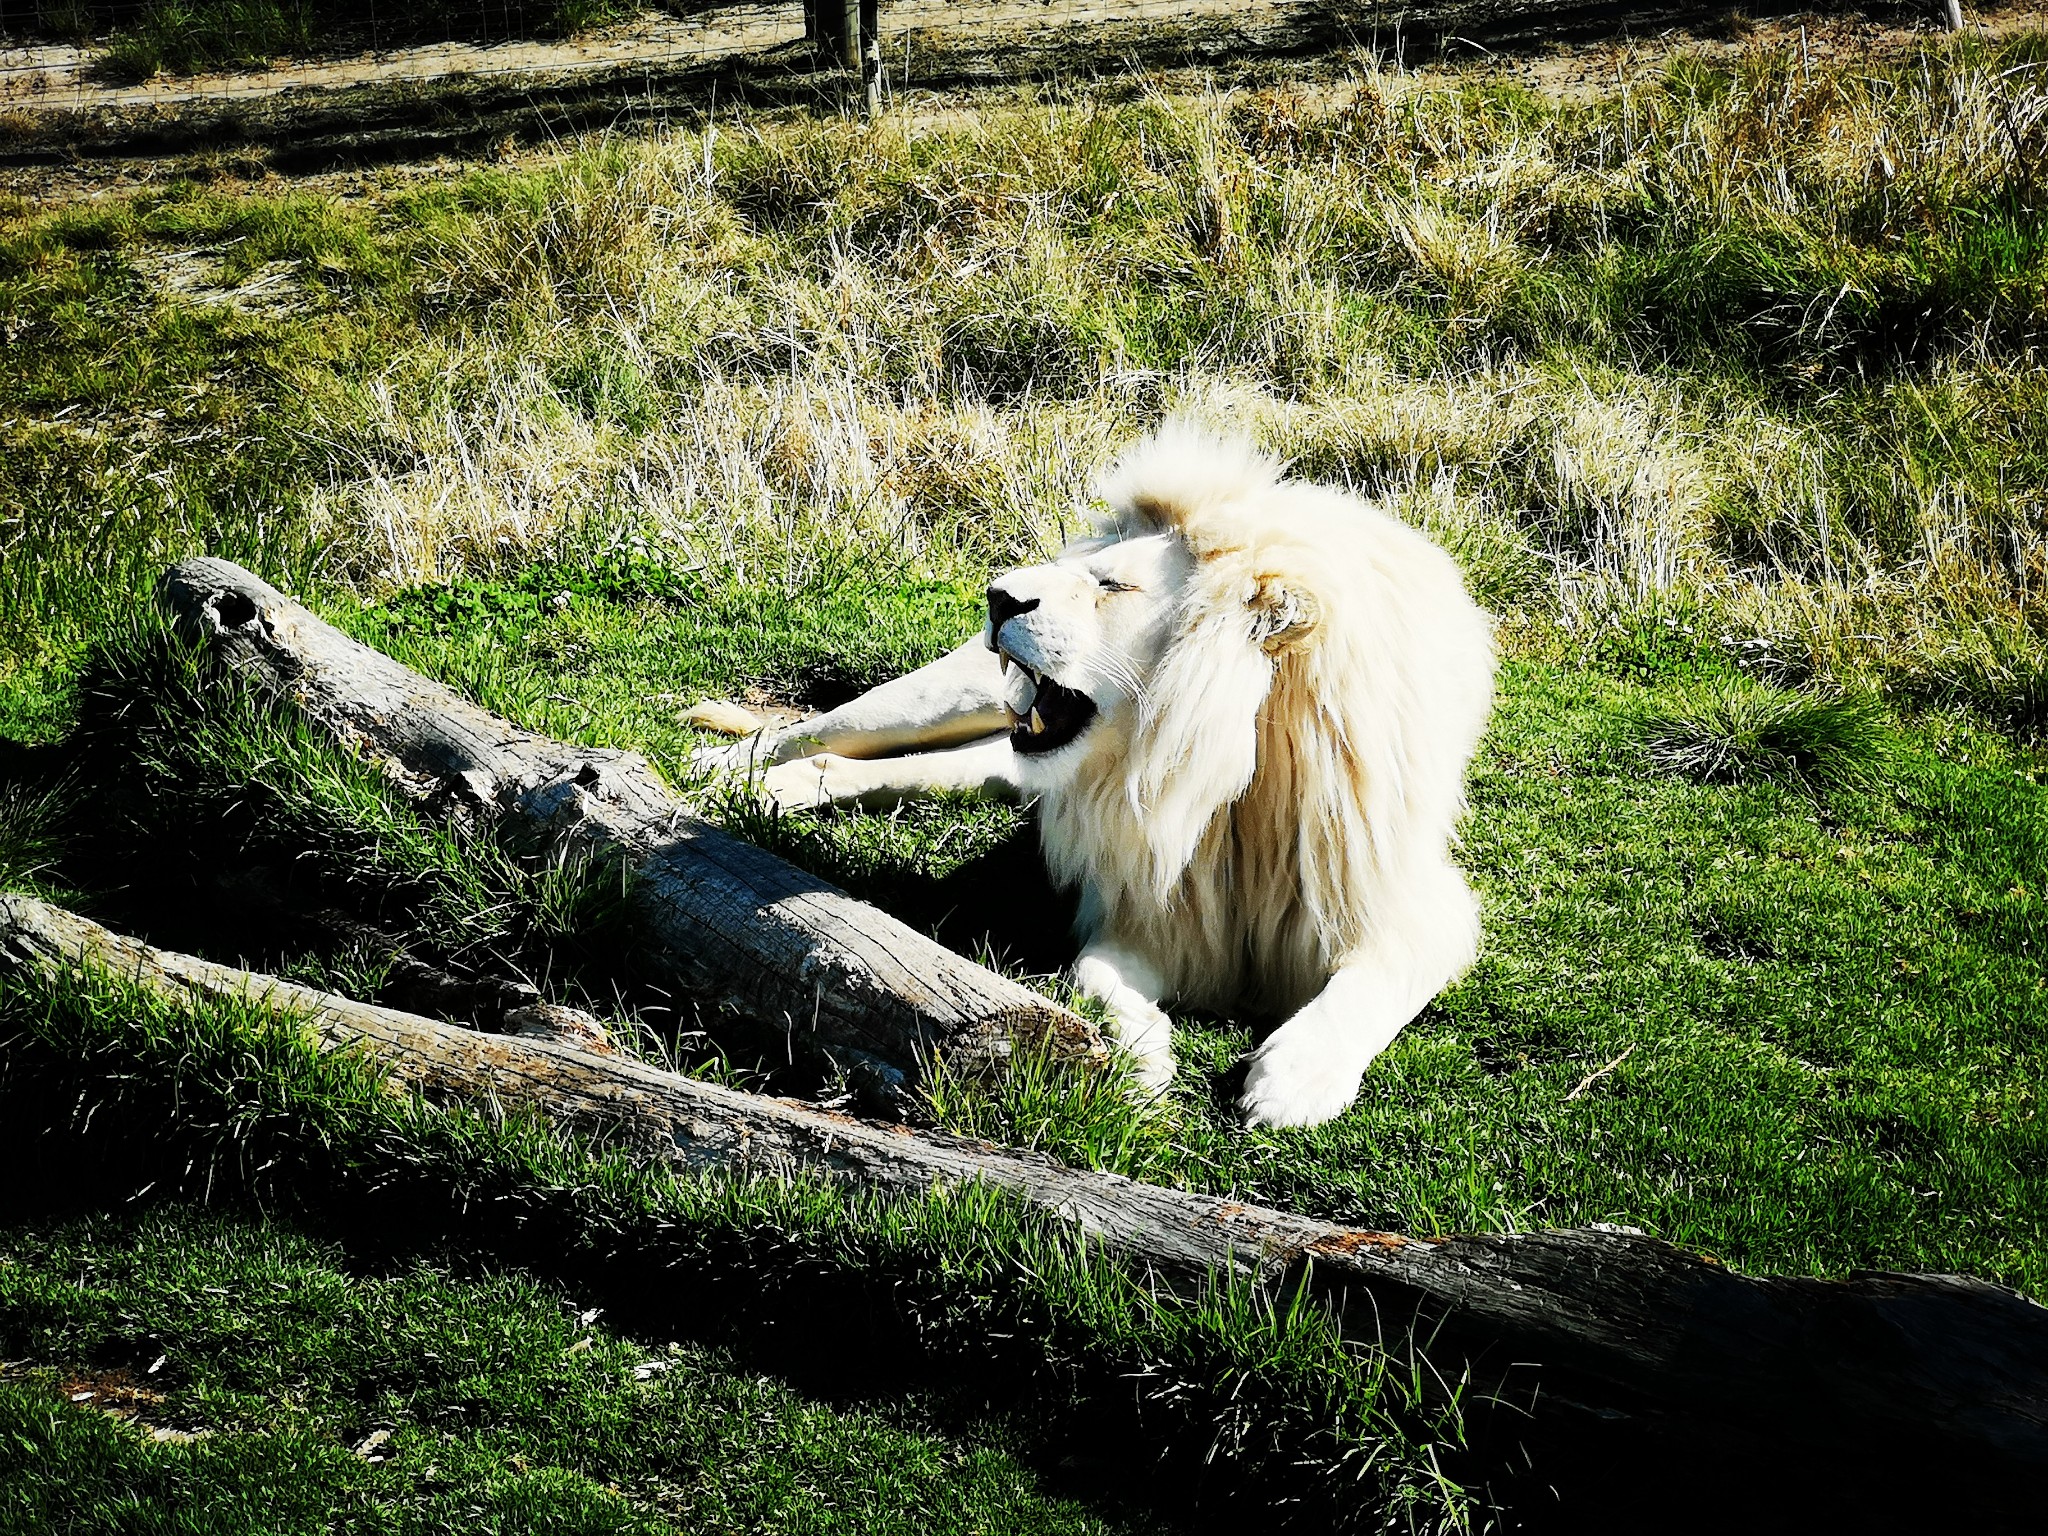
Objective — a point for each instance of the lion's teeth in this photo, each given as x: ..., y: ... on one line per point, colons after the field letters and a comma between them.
x: 1019, y: 692
x: 1005, y: 655
x: 1037, y: 723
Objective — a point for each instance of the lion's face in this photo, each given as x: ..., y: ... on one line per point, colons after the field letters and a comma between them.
x: 1079, y: 637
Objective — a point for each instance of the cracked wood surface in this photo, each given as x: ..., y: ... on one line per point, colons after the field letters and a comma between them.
x: 721, y: 920
x: 1600, y: 1339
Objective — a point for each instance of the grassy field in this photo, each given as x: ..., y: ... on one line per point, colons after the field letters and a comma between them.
x: 1727, y: 388
x: 249, y: 1377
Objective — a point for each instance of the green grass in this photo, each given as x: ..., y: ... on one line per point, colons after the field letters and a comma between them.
x: 1736, y: 729
x: 164, y: 748
x: 1827, y: 1009
x: 1758, y: 339
x: 1727, y: 392
x: 1823, y: 990
x: 227, y: 1373
x: 981, y: 1313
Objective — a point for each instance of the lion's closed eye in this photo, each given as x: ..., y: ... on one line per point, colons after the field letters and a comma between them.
x: 1111, y: 584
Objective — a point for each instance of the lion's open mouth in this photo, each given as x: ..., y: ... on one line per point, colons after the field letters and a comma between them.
x: 1043, y: 715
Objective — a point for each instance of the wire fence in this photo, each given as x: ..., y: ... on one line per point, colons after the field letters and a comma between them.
x: 112, y: 54
x: 160, y: 52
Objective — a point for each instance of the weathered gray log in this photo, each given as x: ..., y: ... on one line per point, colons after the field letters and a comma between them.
x: 1637, y: 1354
x: 721, y: 920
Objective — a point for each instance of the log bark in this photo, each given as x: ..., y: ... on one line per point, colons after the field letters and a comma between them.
x: 1608, y: 1351
x: 721, y: 920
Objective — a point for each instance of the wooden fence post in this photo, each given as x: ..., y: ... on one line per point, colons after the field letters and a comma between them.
x: 824, y: 27
x: 848, y: 33
x: 871, y: 52
x: 850, y: 30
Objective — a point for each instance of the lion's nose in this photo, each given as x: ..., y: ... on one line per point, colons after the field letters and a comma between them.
x: 1003, y: 607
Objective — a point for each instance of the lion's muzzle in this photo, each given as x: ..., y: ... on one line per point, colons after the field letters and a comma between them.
x: 1044, y: 716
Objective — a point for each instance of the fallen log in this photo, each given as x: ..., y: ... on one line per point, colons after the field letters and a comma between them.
x: 1637, y: 1365
x: 720, y: 920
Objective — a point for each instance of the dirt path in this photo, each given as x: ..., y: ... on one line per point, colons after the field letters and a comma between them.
x: 62, y: 77
x: 58, y: 76
x: 63, y: 132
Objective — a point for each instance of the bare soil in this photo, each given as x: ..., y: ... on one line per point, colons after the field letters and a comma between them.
x: 66, y: 77
x: 65, y: 133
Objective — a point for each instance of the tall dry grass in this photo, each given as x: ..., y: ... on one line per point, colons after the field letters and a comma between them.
x: 1753, y: 351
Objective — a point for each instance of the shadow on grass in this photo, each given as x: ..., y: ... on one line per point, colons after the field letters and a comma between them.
x: 848, y: 1311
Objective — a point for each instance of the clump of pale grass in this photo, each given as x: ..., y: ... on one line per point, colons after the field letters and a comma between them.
x: 1469, y: 260
x: 465, y: 486
x: 1782, y: 143
x: 1607, y: 478
x: 1738, y: 730
x: 605, y: 232
x: 765, y: 481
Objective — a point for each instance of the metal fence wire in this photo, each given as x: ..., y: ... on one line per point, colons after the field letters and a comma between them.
x: 79, y: 54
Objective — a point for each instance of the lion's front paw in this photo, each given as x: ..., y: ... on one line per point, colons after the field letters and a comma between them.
x: 727, y: 757
x: 1152, y: 1072
x: 810, y: 783
x: 722, y: 716
x: 765, y: 749
x: 1297, y: 1080
x: 1145, y: 1035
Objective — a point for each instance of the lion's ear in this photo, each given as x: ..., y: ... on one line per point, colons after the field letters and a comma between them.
x: 1283, y: 614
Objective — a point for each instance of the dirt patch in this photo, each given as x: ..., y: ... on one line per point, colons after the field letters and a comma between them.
x: 62, y: 134
x: 273, y: 290
x: 67, y: 78
x: 118, y: 1392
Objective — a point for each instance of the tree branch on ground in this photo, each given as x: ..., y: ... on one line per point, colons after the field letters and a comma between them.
x: 1600, y: 1338
x: 722, y: 921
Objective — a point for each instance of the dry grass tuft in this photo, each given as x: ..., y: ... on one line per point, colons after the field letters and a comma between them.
x: 1739, y: 730
x: 1760, y: 344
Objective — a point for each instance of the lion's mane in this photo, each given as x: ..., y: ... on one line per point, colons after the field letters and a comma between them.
x: 1288, y: 786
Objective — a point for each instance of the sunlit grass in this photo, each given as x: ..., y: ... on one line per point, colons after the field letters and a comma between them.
x: 1756, y: 337
x: 1002, y: 1313
x: 1738, y: 729
x: 1726, y: 389
x: 209, y: 1364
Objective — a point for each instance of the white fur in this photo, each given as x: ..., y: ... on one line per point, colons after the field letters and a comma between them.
x: 723, y: 717
x: 1289, y: 684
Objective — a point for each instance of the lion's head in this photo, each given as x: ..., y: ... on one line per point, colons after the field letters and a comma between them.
x: 1243, y: 703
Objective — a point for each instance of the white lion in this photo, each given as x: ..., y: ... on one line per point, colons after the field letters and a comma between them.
x: 1244, y: 706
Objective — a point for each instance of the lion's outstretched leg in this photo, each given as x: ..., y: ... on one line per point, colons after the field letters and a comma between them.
x: 987, y: 768
x: 956, y: 699
x: 1130, y: 989
x: 1309, y: 1069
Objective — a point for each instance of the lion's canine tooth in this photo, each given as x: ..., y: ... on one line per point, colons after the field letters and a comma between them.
x: 1019, y: 693
x: 1005, y: 655
x: 1037, y: 723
